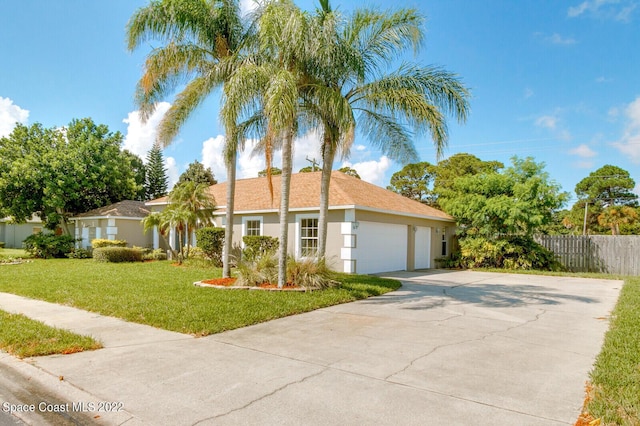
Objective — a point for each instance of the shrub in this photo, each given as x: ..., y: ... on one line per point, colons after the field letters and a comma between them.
x: 508, y: 252
x: 79, y: 253
x: 101, y: 242
x: 310, y: 273
x: 258, y: 270
x: 46, y: 246
x: 211, y: 241
x: 257, y: 245
x: 1, y: 244
x: 157, y: 254
x: 117, y: 254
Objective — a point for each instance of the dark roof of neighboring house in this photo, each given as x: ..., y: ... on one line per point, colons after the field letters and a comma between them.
x: 345, y: 191
x: 126, y: 208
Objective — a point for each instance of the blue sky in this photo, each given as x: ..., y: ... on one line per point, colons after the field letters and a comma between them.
x: 555, y: 80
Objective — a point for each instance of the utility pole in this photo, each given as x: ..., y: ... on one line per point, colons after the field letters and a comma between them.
x: 314, y: 164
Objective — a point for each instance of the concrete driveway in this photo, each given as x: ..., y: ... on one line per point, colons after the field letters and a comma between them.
x: 454, y: 348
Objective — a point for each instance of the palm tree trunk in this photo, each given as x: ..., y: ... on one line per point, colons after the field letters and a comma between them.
x: 228, y: 230
x: 285, y: 186
x: 328, y: 155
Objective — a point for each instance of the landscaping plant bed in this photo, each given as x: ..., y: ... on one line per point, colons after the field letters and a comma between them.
x: 228, y: 283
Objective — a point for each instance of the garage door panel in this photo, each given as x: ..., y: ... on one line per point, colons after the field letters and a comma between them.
x: 381, y: 247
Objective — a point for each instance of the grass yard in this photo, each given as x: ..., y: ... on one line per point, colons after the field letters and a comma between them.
x: 162, y: 295
x: 8, y: 253
x: 615, y: 380
x: 24, y: 337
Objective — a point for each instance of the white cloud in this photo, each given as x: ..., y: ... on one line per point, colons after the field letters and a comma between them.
x: 528, y: 93
x: 583, y: 151
x: 250, y: 163
x: 10, y: 114
x: 629, y: 143
x: 547, y: 121
x: 141, y: 136
x: 551, y: 123
x: 558, y: 39
x: 636, y: 190
x: 371, y: 171
x: 360, y: 147
x: 172, y: 170
x: 617, y: 10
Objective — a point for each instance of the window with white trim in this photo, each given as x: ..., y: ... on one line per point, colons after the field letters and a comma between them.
x: 252, y: 227
x: 444, y: 242
x: 308, y: 237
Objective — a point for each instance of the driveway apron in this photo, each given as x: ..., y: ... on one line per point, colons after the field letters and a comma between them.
x: 453, y: 348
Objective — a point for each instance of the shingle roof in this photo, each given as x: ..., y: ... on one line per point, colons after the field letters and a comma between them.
x: 126, y: 208
x: 345, y: 191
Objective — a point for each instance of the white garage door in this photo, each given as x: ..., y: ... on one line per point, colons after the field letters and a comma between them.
x: 380, y: 247
x: 423, y: 248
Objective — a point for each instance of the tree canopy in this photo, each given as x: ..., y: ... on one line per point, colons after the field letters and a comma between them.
x: 59, y: 172
x: 608, y: 186
x: 517, y: 201
x: 197, y: 173
x: 413, y: 182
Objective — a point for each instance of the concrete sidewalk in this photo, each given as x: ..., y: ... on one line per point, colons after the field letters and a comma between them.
x: 447, y: 348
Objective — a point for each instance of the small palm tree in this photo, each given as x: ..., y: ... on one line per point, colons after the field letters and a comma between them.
x: 195, y: 204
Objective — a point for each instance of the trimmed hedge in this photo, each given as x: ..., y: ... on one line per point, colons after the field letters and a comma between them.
x: 257, y: 245
x: 1, y: 244
x: 211, y: 241
x: 101, y: 242
x: 117, y: 254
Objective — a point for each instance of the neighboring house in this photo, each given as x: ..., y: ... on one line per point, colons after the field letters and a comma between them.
x: 370, y: 229
x: 13, y: 234
x: 119, y: 221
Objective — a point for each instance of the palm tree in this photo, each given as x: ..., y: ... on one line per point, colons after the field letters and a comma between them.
x: 349, y: 80
x: 267, y: 93
x: 199, y: 206
x: 614, y: 216
x: 203, y: 43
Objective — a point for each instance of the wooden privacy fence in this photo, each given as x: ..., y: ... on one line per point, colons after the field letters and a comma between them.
x: 613, y: 254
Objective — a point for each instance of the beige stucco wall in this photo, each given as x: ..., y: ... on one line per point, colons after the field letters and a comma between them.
x: 13, y: 234
x: 130, y: 230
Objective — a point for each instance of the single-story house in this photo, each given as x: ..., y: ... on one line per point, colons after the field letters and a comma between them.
x: 13, y: 234
x: 119, y: 221
x: 370, y: 229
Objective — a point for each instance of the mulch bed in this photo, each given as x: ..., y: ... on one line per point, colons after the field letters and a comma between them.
x: 228, y: 283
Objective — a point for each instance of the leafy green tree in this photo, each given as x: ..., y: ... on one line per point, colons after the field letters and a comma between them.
x: 349, y: 171
x: 274, y: 172
x: 203, y: 44
x: 608, y: 186
x: 517, y: 201
x: 59, y: 172
x: 156, y: 180
x: 139, y: 172
x: 197, y: 173
x: 353, y: 89
x: 413, y: 182
x: 458, y: 165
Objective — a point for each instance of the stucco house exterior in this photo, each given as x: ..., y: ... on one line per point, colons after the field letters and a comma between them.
x: 118, y: 221
x: 370, y: 229
x: 13, y: 234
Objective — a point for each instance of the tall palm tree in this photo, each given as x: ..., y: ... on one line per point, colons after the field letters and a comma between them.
x: 203, y: 45
x: 267, y: 95
x: 351, y: 88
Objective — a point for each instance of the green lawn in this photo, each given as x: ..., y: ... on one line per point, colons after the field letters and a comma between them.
x: 24, y: 337
x: 162, y: 295
x: 7, y: 253
x: 615, y: 379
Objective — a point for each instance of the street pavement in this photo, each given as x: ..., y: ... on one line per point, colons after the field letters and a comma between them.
x: 454, y: 348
